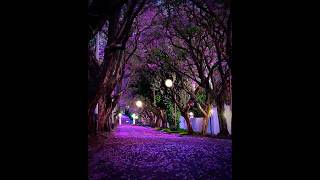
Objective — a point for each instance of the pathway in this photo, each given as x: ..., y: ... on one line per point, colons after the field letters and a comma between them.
x: 135, y: 152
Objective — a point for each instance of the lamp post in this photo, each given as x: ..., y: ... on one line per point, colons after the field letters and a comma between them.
x: 169, y: 84
x: 119, y: 118
x: 139, y: 105
x: 134, y: 117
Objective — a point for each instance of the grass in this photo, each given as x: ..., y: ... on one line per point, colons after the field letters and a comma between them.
x: 178, y: 131
x: 183, y: 132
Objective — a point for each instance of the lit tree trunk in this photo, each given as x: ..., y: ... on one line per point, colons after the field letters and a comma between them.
x: 222, y: 120
x: 187, y: 119
x: 206, y: 117
x: 205, y: 125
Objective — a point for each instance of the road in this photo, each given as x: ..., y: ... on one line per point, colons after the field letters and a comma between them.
x: 135, y: 152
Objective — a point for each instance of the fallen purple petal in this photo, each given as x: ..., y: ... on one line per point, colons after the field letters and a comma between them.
x: 135, y: 152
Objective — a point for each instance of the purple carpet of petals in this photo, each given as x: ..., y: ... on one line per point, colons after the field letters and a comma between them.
x: 135, y: 152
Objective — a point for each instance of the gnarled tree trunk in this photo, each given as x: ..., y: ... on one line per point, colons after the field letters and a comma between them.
x: 222, y: 121
x: 163, y: 119
x: 101, y: 114
x: 187, y: 119
x: 206, y: 117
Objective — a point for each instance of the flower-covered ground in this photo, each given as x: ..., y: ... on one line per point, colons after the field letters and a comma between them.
x: 135, y: 152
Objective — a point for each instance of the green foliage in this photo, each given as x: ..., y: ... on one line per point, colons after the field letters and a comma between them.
x: 181, y: 53
x: 192, y: 30
x: 159, y: 54
x: 178, y: 118
x: 142, y: 86
x: 158, y: 98
x: 196, y: 112
x: 169, y: 111
x: 201, y: 96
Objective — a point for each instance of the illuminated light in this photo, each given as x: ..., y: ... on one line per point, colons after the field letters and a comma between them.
x: 139, y: 104
x: 210, y: 111
x: 133, y: 115
x: 168, y: 83
x: 191, y: 114
x: 119, y: 114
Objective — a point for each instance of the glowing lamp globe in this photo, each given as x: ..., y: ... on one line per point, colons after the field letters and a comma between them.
x: 139, y: 104
x: 168, y: 83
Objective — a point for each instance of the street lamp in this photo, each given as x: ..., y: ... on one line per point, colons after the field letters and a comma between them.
x: 168, y: 83
x: 191, y: 114
x: 139, y: 104
x: 134, y: 117
x: 119, y: 118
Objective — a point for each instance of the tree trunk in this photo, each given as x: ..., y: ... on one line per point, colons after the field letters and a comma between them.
x: 101, y: 114
x: 205, y: 125
x: 91, y: 123
x: 158, y: 122
x: 222, y: 121
x: 163, y: 120
x: 164, y: 124
x: 109, y: 76
x: 206, y: 120
x: 108, y: 120
x: 150, y: 117
x: 187, y: 119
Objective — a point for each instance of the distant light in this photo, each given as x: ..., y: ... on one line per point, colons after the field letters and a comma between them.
x: 139, y: 104
x: 168, y: 83
x: 133, y: 115
x: 191, y: 114
x: 119, y: 114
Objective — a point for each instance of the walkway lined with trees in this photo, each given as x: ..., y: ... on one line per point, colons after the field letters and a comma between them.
x: 139, y: 44
x: 156, y: 61
x: 135, y: 152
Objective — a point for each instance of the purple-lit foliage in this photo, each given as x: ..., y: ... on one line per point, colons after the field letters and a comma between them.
x: 187, y: 40
x: 103, y: 78
x: 193, y: 39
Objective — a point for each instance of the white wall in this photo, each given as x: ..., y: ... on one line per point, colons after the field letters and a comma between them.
x: 228, y: 115
x: 213, y: 124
